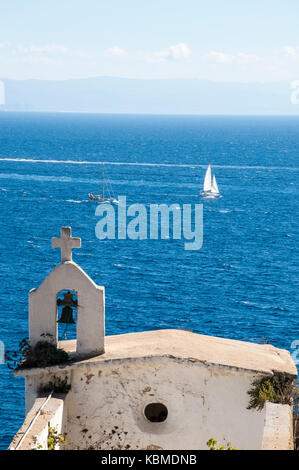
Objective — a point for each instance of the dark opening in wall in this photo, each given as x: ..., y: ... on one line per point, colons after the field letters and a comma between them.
x: 156, y: 412
x: 67, y: 303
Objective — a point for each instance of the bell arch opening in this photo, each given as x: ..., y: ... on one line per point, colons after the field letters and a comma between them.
x: 67, y: 314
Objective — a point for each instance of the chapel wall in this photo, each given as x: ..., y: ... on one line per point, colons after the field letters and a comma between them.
x: 45, y: 413
x: 106, y: 406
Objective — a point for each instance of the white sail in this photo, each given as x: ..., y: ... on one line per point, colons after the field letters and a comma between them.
x: 214, y: 188
x: 207, y: 184
x: 210, y: 186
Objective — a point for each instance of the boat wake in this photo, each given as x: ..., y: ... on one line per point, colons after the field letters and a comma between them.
x: 74, y: 201
x: 175, y: 165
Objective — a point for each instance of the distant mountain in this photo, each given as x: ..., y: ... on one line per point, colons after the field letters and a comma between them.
x: 160, y: 96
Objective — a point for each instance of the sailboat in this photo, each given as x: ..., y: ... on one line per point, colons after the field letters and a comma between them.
x: 210, y: 186
x: 102, y: 198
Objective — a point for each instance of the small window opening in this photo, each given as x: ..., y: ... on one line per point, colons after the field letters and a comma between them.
x: 156, y: 412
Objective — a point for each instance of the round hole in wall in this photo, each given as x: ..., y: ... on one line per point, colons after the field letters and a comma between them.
x: 156, y: 412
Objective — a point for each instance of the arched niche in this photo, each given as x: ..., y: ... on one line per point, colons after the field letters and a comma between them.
x: 67, y: 314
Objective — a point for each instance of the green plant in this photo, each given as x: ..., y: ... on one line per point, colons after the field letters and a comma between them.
x: 43, y: 354
x: 213, y: 445
x: 55, y: 439
x: 38, y: 447
x: 14, y: 358
x: 278, y: 388
x: 57, y: 385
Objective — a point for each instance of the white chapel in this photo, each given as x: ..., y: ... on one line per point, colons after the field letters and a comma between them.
x: 165, y: 389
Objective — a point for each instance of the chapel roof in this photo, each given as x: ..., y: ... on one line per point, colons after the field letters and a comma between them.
x: 185, y: 346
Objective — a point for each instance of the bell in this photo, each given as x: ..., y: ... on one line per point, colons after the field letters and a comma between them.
x: 66, y: 315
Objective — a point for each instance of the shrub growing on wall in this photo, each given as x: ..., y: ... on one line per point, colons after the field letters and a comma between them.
x: 43, y: 354
x: 278, y: 388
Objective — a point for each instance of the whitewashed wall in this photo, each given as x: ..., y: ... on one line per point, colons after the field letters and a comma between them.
x: 278, y: 430
x: 34, y: 432
x: 106, y: 404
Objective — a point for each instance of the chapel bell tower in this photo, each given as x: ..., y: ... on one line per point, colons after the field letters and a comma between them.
x: 80, y: 295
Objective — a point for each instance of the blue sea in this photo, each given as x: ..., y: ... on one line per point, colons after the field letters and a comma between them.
x: 242, y: 283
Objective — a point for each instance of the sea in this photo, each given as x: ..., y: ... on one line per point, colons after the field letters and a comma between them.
x: 241, y: 284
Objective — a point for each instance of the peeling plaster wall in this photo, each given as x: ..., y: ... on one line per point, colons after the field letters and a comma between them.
x: 35, y: 382
x: 105, y: 407
x: 34, y: 432
x: 278, y: 431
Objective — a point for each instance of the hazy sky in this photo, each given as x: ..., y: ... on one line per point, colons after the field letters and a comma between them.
x: 230, y: 40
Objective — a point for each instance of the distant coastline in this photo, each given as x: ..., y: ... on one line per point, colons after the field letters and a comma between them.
x: 111, y: 95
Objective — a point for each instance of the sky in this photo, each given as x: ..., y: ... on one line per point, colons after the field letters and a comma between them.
x: 231, y: 40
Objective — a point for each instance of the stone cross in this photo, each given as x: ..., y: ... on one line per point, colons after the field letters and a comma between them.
x: 66, y: 243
